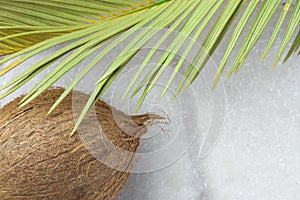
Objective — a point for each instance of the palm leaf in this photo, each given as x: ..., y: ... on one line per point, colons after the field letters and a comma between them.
x: 294, y: 47
x: 292, y: 26
x: 29, y: 27
x: 284, y: 13
x: 35, y: 21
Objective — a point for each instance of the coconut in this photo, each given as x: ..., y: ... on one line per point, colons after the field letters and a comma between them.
x: 39, y: 159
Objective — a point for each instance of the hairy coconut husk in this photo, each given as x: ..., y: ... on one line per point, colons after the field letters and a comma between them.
x: 39, y: 159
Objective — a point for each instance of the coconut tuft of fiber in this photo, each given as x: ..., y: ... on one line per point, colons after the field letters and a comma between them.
x: 39, y: 159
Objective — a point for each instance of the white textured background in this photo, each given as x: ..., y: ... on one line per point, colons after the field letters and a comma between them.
x: 258, y: 153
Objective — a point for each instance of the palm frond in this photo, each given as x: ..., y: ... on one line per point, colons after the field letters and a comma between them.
x: 30, y: 22
x: 260, y: 22
x: 283, y: 15
x: 292, y: 26
x: 29, y: 27
x: 294, y: 47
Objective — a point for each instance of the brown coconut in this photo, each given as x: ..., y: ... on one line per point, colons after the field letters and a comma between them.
x: 39, y: 159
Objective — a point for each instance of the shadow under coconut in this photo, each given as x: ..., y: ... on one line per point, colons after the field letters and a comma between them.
x: 181, y: 180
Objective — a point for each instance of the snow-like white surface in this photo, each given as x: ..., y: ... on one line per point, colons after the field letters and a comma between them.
x: 257, y: 155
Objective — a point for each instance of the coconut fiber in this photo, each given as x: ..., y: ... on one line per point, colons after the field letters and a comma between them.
x: 40, y: 160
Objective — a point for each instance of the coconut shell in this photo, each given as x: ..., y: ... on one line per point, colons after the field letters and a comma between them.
x: 39, y: 159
